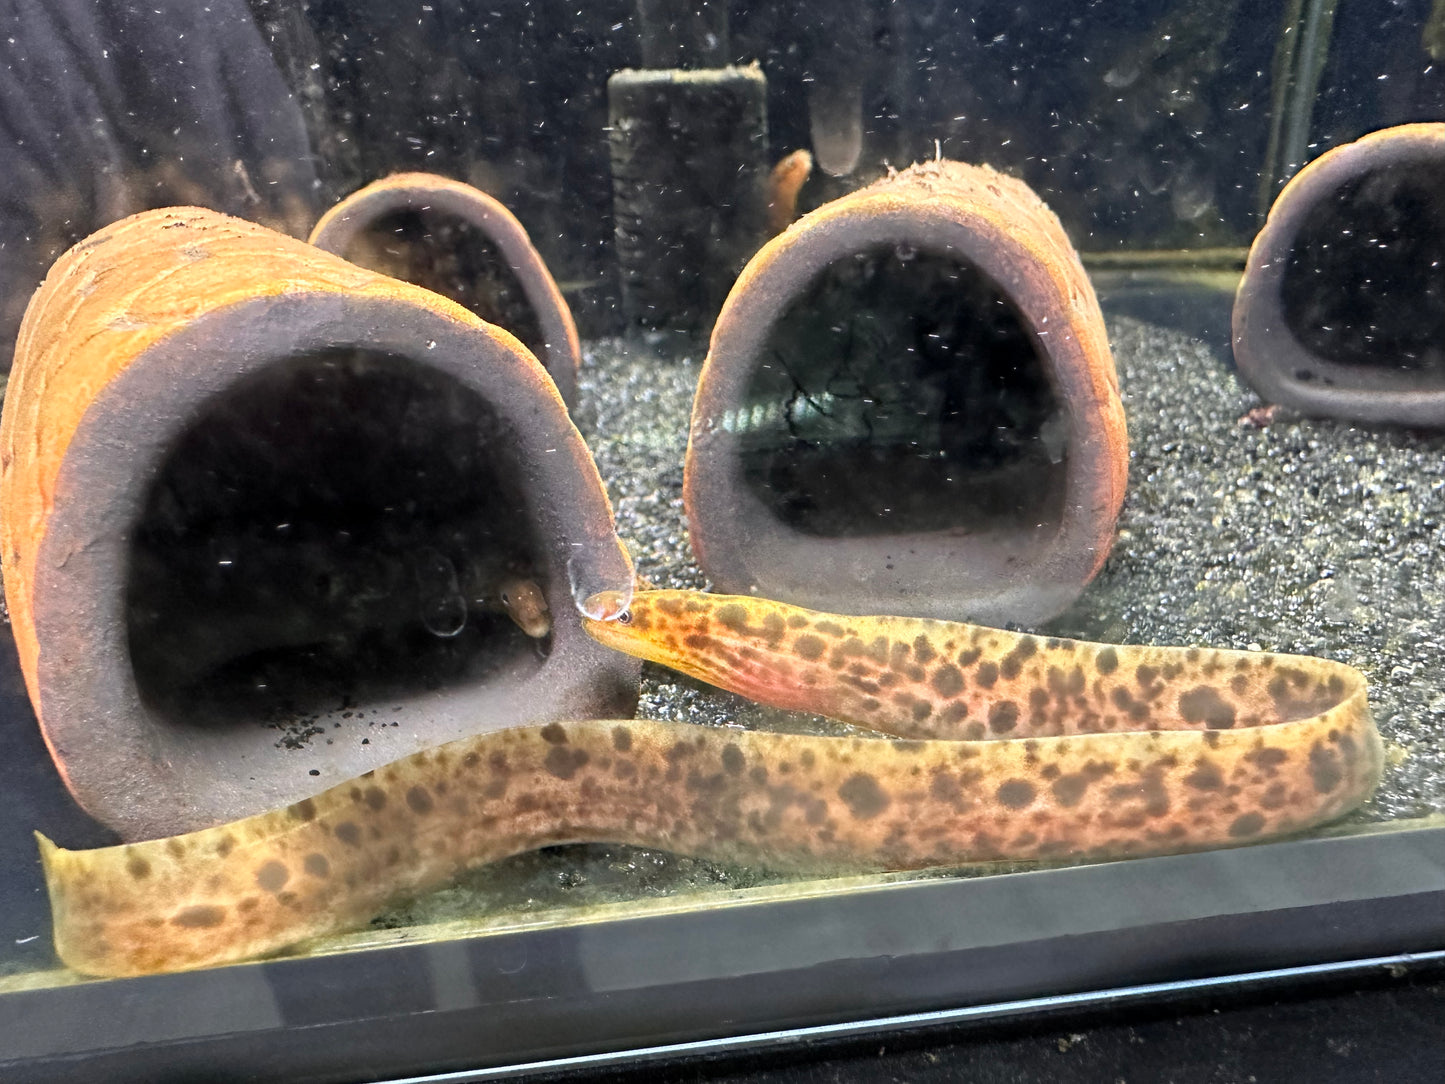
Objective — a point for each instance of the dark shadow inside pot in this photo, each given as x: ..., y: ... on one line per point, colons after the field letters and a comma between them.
x: 1364, y: 284
x: 452, y: 257
x: 333, y: 529
x: 901, y: 392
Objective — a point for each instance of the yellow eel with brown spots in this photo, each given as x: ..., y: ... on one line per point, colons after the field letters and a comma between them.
x: 1013, y: 746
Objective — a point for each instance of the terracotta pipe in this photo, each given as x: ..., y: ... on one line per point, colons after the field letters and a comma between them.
x: 436, y: 232
x: 910, y: 407
x: 1341, y: 310
x: 304, y: 466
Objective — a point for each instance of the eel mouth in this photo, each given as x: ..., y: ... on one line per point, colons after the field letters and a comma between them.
x: 342, y: 527
x: 900, y: 392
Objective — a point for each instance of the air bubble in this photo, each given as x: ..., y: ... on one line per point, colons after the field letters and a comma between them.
x: 595, y: 596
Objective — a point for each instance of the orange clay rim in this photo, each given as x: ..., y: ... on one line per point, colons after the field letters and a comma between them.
x: 118, y: 347
x: 998, y: 224
x: 343, y: 223
x: 1266, y: 351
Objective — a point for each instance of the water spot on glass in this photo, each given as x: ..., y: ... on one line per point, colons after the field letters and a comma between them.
x: 597, y: 595
x: 443, y: 607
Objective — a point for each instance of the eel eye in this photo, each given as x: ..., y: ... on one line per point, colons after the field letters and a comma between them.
x: 625, y: 617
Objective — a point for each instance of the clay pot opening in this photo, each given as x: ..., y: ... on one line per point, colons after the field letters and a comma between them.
x: 901, y: 391
x: 1364, y: 281
x: 461, y: 243
x: 909, y: 407
x: 332, y: 529
x: 1341, y: 310
x: 233, y: 460
x: 452, y: 257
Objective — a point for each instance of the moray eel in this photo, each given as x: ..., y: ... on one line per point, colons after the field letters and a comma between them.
x: 1009, y: 746
x: 521, y: 599
x: 784, y: 183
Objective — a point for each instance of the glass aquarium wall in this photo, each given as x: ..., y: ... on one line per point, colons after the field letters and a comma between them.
x: 531, y: 532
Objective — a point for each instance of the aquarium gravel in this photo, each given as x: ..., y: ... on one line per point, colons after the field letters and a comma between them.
x: 1242, y: 528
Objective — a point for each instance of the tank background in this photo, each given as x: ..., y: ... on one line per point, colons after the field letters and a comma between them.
x: 1149, y: 130
x: 1147, y: 126
x: 1386, y: 66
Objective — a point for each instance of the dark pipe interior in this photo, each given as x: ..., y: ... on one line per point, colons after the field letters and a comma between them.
x: 899, y: 393
x: 329, y: 532
x: 1365, y: 281
x: 450, y: 256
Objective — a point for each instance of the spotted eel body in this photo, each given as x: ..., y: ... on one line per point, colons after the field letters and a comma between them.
x: 1012, y: 746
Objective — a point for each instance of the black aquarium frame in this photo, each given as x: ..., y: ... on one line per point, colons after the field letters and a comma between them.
x: 735, y: 970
